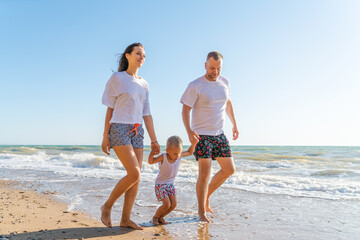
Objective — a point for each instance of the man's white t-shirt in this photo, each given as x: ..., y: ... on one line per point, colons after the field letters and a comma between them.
x: 208, y: 102
x: 128, y: 96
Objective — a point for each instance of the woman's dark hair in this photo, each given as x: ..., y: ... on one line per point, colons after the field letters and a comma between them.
x: 123, y: 62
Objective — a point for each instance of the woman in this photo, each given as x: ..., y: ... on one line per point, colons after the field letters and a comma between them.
x: 127, y: 97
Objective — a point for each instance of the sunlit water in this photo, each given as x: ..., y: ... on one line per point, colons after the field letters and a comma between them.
x: 83, y: 176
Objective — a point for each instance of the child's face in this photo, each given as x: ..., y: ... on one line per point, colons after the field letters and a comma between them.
x: 174, y: 152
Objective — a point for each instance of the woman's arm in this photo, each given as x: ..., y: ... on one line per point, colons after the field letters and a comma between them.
x: 105, y: 143
x: 150, y: 129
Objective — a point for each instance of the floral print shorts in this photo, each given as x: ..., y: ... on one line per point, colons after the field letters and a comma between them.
x: 164, y: 190
x: 212, y: 147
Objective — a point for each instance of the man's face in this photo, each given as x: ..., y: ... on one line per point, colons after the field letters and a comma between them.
x: 213, y: 68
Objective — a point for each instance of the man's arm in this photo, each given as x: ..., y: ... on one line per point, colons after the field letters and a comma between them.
x: 230, y: 112
x: 193, y: 136
x: 191, y: 149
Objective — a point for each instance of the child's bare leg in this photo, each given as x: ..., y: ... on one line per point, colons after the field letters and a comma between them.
x: 163, y: 208
x: 173, y: 203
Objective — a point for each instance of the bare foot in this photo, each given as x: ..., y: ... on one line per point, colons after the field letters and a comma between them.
x: 163, y: 221
x: 155, y: 221
x: 130, y: 224
x: 203, y: 218
x: 106, y: 216
x: 208, y: 208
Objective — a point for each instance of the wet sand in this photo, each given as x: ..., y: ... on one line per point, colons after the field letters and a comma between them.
x: 26, y: 214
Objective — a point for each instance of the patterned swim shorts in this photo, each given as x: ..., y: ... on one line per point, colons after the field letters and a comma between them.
x: 212, y: 147
x: 124, y: 134
x: 164, y: 190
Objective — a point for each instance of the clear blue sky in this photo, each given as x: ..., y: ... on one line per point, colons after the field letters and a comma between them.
x: 293, y: 66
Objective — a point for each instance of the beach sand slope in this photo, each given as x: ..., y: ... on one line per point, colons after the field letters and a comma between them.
x: 29, y: 215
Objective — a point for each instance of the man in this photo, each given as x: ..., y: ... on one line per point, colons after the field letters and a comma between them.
x: 209, y: 99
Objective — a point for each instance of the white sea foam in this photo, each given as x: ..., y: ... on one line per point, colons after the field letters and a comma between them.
x: 326, y: 173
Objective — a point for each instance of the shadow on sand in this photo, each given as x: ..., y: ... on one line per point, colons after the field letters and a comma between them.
x: 97, y: 232
x: 72, y: 233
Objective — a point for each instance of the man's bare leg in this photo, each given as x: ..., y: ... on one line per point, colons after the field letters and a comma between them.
x: 202, y: 186
x: 227, y: 169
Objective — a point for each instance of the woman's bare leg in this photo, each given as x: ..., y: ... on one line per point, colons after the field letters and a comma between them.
x: 130, y: 196
x: 128, y: 158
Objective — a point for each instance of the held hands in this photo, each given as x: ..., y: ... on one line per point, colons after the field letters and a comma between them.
x: 106, y: 145
x: 193, y: 137
x: 196, y: 140
x: 155, y: 147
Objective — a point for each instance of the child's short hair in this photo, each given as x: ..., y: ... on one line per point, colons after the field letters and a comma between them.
x: 174, y: 141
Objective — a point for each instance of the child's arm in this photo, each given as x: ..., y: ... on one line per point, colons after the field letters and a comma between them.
x: 190, y: 150
x: 152, y: 159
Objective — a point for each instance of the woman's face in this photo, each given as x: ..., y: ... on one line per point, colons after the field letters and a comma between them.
x: 137, y: 57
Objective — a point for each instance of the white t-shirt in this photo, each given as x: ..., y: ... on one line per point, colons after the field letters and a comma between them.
x: 208, y: 102
x: 128, y: 96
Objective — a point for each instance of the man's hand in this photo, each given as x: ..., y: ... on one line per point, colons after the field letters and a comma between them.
x: 193, y: 137
x: 235, y: 133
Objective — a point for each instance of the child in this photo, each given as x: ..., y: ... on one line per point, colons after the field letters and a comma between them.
x: 164, y: 184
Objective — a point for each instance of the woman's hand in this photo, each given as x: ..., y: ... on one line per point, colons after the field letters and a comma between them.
x: 106, y: 145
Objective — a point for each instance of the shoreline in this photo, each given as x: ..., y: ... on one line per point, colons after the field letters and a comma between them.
x: 26, y: 214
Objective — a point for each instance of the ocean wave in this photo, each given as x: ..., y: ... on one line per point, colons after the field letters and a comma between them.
x: 73, y: 148
x: 89, y: 160
x: 329, y: 188
x: 288, y: 173
x: 314, y: 154
x: 332, y: 172
x: 276, y: 157
x: 23, y: 150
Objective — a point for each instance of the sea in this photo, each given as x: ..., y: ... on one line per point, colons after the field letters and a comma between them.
x: 83, y: 177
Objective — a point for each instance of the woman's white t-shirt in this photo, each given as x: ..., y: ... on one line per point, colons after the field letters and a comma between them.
x: 128, y: 96
x: 208, y: 102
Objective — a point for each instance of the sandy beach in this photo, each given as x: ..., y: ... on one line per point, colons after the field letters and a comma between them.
x: 280, y: 193
x: 26, y: 214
